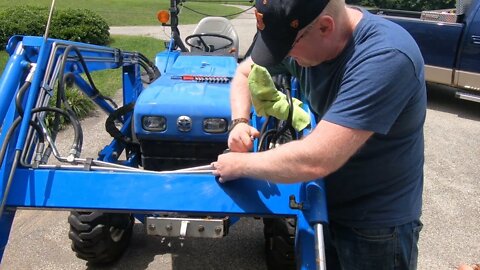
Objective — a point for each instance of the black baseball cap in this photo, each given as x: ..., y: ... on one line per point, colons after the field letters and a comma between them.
x: 278, y: 23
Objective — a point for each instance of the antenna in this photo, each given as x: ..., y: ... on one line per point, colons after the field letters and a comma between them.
x: 47, y: 29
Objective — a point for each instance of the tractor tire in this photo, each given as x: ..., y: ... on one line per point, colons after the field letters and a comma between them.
x: 100, y: 238
x: 280, y: 243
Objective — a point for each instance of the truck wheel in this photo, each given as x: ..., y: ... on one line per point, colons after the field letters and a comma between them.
x: 280, y: 242
x: 100, y: 238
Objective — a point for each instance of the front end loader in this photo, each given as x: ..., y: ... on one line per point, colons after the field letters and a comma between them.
x: 170, y: 124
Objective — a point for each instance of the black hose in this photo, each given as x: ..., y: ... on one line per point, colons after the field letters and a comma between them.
x: 264, y: 139
x: 151, y: 75
x: 41, y: 138
x: 82, y: 62
x: 61, y: 98
x: 9, y: 181
x: 263, y: 130
x: 73, y: 120
x: 265, y: 125
x: 271, y: 136
x: 85, y: 68
x: 35, y: 125
x: 284, y: 83
x: 19, y: 96
x: 113, y: 130
x: 9, y: 134
x: 154, y: 71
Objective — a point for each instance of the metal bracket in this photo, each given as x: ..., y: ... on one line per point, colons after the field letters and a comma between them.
x: 293, y: 203
x: 187, y: 227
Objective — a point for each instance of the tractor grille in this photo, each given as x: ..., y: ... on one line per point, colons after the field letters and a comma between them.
x: 168, y: 155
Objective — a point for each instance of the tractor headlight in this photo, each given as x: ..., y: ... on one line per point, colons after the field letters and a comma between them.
x: 215, y: 125
x: 154, y: 123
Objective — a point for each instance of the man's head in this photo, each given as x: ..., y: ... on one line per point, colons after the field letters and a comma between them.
x: 278, y: 23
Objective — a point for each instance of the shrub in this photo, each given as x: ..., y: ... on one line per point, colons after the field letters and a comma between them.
x: 68, y: 24
x: 80, y: 104
x: 80, y: 25
x: 22, y: 21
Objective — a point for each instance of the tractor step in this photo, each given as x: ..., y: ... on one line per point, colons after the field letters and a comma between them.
x: 187, y: 227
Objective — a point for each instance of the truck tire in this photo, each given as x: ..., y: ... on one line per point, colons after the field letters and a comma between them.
x: 100, y: 238
x: 280, y: 243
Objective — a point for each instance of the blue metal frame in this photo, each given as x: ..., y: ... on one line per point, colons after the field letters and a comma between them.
x: 136, y: 192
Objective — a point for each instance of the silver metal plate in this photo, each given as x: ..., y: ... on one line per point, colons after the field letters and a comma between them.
x: 186, y: 227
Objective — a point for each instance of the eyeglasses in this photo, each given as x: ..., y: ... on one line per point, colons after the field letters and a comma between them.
x: 306, y: 29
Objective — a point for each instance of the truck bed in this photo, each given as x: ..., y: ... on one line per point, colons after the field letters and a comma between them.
x: 438, y: 49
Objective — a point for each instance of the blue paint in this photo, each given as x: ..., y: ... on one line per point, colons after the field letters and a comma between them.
x: 148, y: 193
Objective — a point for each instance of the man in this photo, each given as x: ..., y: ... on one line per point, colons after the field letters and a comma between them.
x: 363, y: 78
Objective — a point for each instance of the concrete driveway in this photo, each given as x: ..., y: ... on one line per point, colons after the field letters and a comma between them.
x: 39, y: 239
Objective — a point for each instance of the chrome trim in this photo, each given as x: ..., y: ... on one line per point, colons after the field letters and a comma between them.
x: 438, y: 74
x: 468, y: 96
x: 461, y: 79
x: 467, y: 80
x: 420, y: 20
x: 184, y: 123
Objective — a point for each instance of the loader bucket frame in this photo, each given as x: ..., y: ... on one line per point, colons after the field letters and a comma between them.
x: 84, y: 188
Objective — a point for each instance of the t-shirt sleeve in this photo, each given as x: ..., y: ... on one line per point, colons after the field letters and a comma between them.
x: 374, y: 91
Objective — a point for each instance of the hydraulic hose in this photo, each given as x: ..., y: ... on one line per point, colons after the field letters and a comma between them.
x: 272, y: 135
x: 17, y: 121
x: 9, y: 181
x: 113, y: 130
x: 77, y: 128
x: 10, y: 133
x: 152, y: 70
x: 19, y: 96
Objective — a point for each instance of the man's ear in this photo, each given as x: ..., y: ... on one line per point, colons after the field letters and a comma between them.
x: 325, y: 24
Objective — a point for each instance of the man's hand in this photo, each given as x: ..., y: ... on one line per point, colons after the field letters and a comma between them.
x: 241, y: 138
x: 228, y: 166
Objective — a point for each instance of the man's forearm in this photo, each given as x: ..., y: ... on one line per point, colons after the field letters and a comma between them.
x: 316, y: 156
x: 240, y: 99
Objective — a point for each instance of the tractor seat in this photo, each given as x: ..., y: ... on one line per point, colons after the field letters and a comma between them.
x: 215, y: 44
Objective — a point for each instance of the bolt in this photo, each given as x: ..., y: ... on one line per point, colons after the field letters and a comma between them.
x: 201, y: 228
x: 218, y: 229
x: 293, y: 203
x: 168, y: 227
x: 151, y: 227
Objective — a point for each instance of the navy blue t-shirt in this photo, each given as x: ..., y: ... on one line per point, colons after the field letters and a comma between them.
x: 375, y: 84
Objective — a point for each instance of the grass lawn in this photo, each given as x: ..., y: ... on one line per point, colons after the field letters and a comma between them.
x: 109, y: 81
x: 134, y: 12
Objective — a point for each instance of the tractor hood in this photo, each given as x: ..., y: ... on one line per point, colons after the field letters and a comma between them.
x: 194, y: 89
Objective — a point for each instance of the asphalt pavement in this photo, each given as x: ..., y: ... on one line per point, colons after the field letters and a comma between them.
x: 451, y: 213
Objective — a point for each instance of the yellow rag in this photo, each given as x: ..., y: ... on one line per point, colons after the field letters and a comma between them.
x: 268, y: 101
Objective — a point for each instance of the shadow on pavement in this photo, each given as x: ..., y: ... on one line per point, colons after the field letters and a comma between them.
x: 242, y: 248
x: 442, y: 98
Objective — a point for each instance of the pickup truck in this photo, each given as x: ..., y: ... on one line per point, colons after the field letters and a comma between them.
x: 449, y: 40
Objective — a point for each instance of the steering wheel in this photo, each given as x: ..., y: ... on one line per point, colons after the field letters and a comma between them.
x: 205, y: 47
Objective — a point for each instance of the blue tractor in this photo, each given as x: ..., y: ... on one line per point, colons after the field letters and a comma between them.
x: 172, y: 124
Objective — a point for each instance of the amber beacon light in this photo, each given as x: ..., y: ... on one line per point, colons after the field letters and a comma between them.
x: 163, y: 16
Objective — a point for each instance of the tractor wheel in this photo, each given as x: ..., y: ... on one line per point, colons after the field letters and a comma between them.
x: 100, y: 238
x: 280, y: 243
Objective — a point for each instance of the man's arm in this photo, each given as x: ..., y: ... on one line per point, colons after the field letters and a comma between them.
x: 240, y: 94
x: 240, y: 137
x: 324, y: 151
